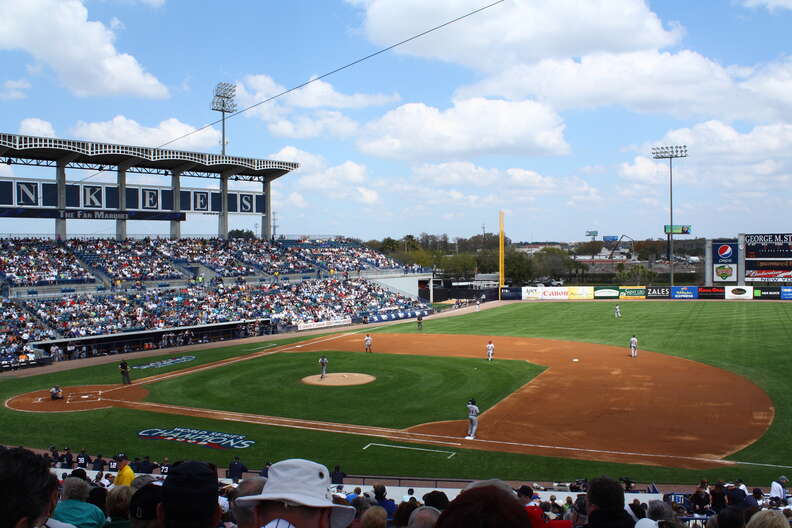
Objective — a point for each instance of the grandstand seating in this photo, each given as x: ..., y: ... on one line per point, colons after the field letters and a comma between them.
x: 38, y: 262
x: 131, y: 260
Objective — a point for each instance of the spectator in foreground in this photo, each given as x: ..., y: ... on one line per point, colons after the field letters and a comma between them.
x: 381, y: 496
x: 245, y: 512
x: 768, y: 519
x: 28, y: 489
x: 74, y: 510
x: 436, y: 499
x: 484, y: 507
x: 403, y: 512
x: 296, y: 492
x: 605, y: 504
x: 731, y: 517
x: 189, y: 497
x: 375, y: 517
x: 778, y: 488
x: 118, y: 506
x: 423, y: 517
x: 143, y: 507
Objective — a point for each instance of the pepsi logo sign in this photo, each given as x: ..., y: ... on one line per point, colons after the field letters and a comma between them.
x: 725, y: 251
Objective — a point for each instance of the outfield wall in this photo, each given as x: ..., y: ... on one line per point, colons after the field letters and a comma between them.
x: 593, y: 293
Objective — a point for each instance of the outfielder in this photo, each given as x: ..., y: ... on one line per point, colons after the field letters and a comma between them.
x: 634, y: 347
x: 323, y: 366
x: 490, y: 351
x: 617, y: 312
x: 473, y: 412
x: 367, y: 341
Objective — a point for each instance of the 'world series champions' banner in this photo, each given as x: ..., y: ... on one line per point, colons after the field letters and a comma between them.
x: 198, y: 437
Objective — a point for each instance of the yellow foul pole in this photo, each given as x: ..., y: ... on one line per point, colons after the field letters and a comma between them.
x: 501, y: 258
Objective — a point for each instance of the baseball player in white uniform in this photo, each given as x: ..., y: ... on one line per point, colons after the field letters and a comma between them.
x: 634, y: 347
x: 323, y: 365
x: 367, y: 341
x: 490, y: 351
x: 617, y: 312
x: 473, y: 412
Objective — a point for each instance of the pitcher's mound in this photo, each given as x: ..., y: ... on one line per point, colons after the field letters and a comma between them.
x: 338, y: 379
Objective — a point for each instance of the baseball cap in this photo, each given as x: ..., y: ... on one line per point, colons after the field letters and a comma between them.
x: 190, y: 491
x: 303, y: 482
x: 143, y: 505
x: 525, y: 491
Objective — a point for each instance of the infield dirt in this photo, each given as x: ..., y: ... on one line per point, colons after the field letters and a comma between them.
x: 654, y: 409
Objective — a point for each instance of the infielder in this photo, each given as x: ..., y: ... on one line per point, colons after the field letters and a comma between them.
x: 473, y: 412
x: 367, y: 343
x: 634, y: 347
x: 617, y: 312
x: 490, y: 351
x: 323, y: 366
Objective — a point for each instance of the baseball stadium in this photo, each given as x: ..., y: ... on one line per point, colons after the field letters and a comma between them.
x: 649, y: 374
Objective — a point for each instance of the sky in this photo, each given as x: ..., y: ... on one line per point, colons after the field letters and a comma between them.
x: 545, y: 110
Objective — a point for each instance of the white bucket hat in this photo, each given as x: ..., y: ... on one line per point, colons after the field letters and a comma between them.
x: 306, y: 483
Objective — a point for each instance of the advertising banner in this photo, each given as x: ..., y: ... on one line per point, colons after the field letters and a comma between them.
x: 767, y: 292
x: 655, y: 292
x: 768, y: 270
x: 724, y: 272
x: 678, y: 229
x: 555, y: 293
x: 632, y: 292
x: 684, y: 292
x: 739, y: 292
x: 610, y: 238
x: 531, y: 293
x: 725, y: 252
x: 714, y: 292
x: 511, y: 294
x: 606, y: 292
x: 581, y: 292
x: 786, y: 293
x: 592, y: 233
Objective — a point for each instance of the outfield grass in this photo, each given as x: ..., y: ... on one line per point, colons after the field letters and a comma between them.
x: 748, y: 338
x: 409, y: 390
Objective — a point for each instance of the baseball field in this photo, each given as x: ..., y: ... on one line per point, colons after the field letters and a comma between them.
x: 708, y: 396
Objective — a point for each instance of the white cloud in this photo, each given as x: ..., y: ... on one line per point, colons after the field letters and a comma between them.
x: 471, y: 127
x: 33, y: 126
x: 80, y: 51
x: 127, y: 131
x: 296, y: 199
x: 681, y: 84
x: 320, y: 123
x: 466, y: 173
x: 518, y: 31
x: 153, y: 3
x: 769, y: 4
x: 14, y: 89
x: 320, y: 94
x: 116, y: 24
x: 308, y: 162
x: 644, y: 170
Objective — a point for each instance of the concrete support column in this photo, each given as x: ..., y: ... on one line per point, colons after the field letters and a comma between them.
x: 222, y: 219
x: 266, y: 216
x: 431, y: 289
x: 741, y: 259
x: 175, y: 225
x: 708, y: 262
x: 60, y: 181
x: 121, y: 182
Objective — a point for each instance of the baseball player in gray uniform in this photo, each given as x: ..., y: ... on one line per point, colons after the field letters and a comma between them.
x: 473, y: 412
x: 490, y: 351
x: 323, y: 365
x: 367, y: 341
x: 634, y: 347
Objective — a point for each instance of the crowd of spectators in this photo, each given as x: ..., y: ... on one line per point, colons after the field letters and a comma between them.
x: 285, y: 304
x: 270, y: 258
x: 128, y: 260
x: 347, y: 258
x: 216, y: 254
x: 39, y: 262
x: 304, y: 494
x: 17, y: 329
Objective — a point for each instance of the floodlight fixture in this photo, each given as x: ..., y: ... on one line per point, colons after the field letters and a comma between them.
x: 670, y: 152
x: 223, y: 102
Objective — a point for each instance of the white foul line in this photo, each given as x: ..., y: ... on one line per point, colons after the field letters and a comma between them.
x: 413, y: 448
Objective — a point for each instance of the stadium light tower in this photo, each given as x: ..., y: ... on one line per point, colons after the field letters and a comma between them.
x: 669, y: 153
x: 223, y: 102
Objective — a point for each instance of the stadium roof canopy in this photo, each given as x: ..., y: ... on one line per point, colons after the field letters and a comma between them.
x: 48, y: 152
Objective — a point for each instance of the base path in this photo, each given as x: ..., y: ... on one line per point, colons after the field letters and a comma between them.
x: 654, y: 409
